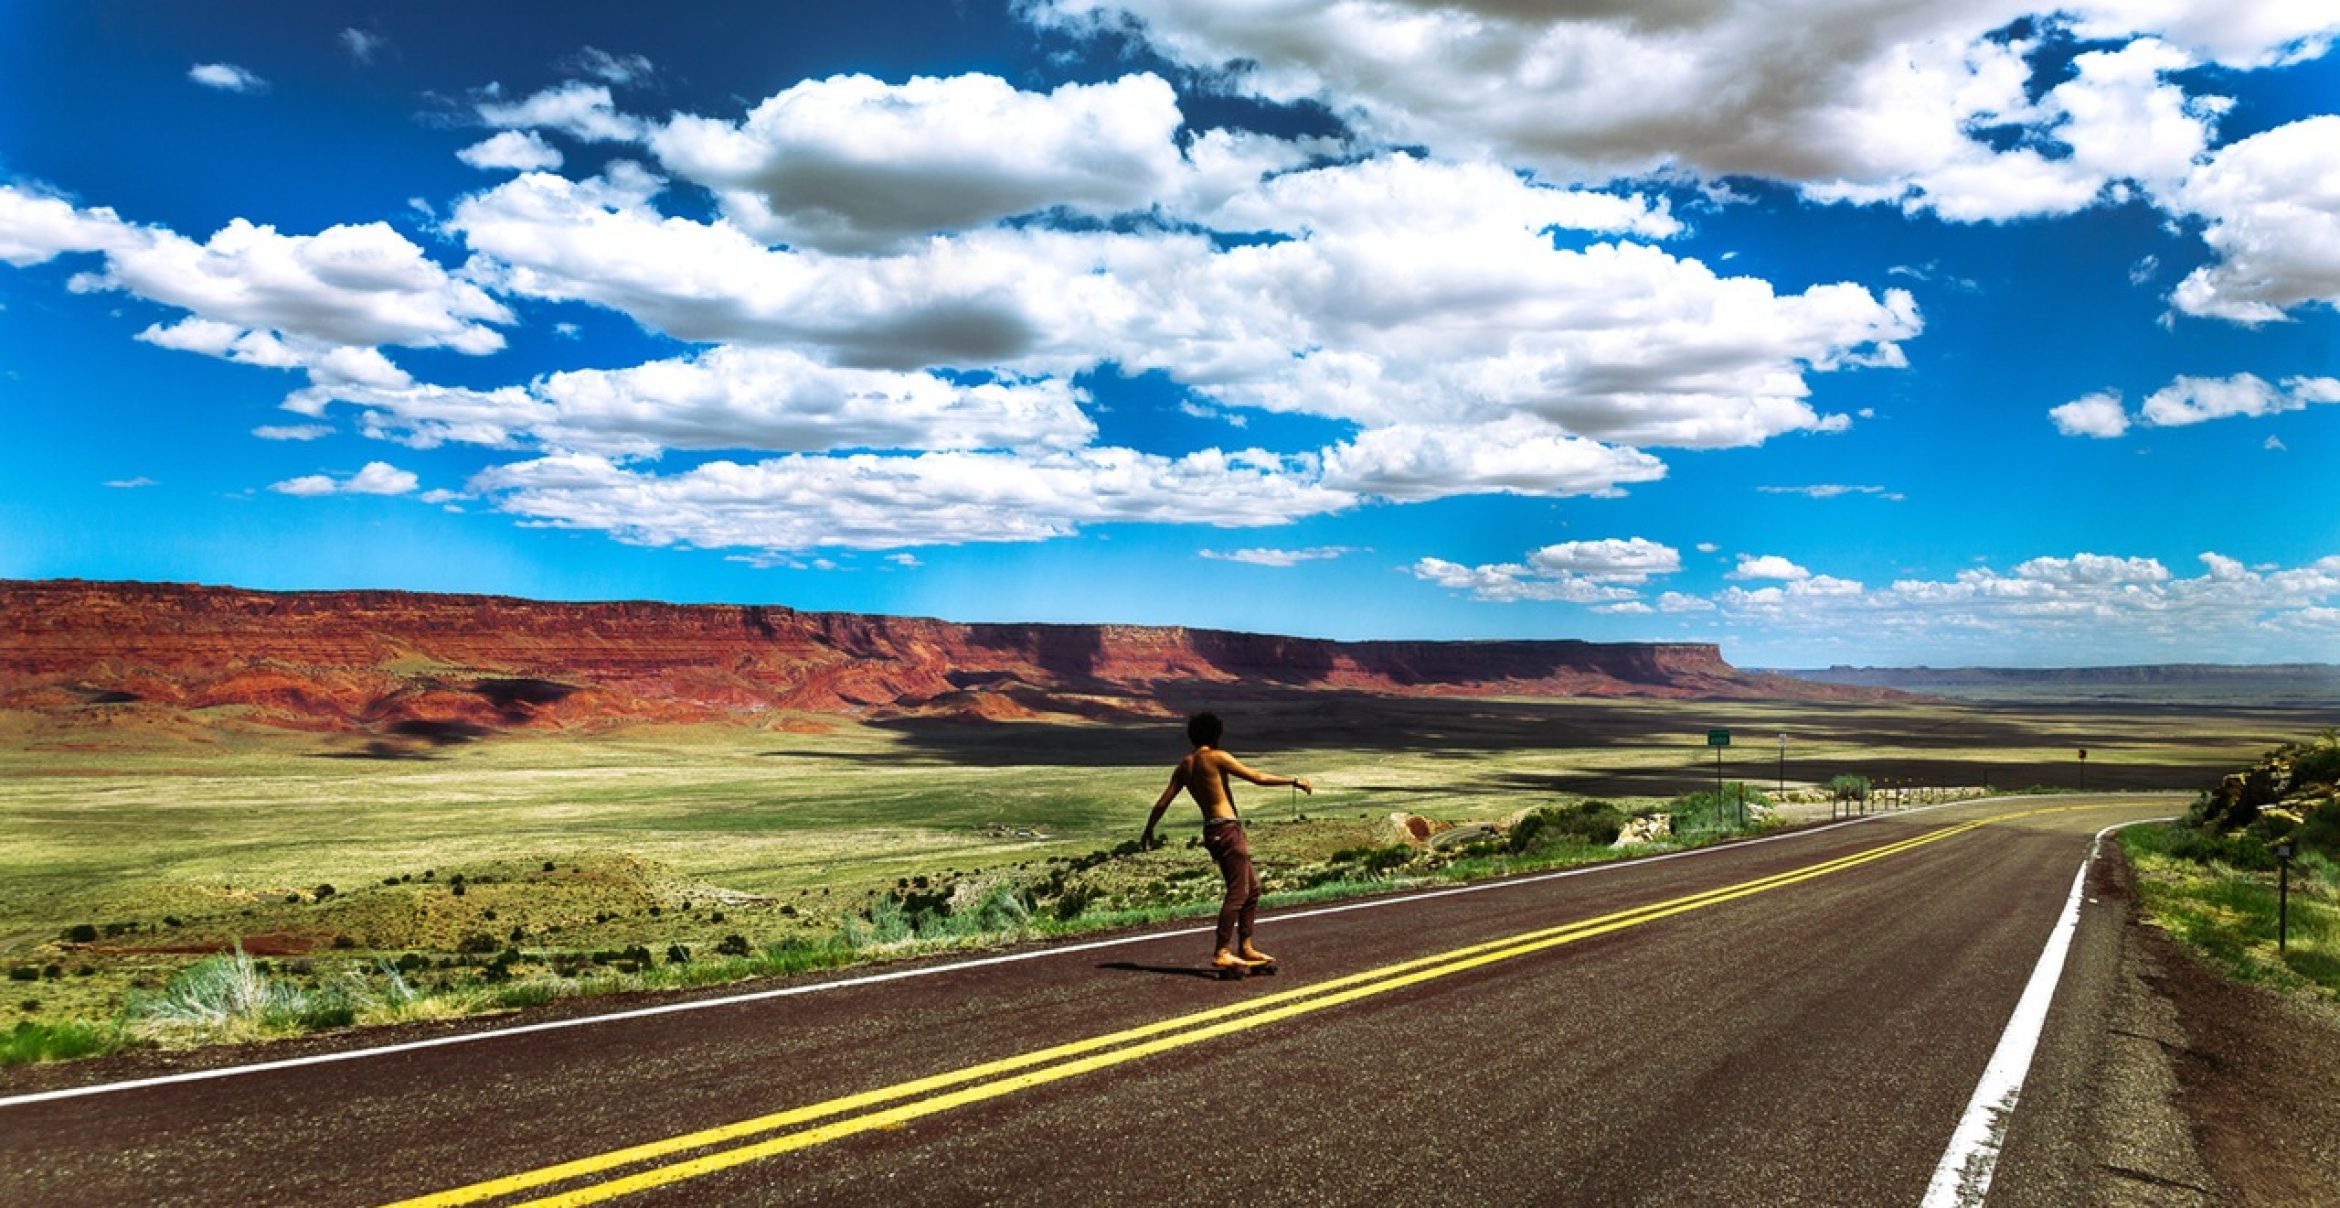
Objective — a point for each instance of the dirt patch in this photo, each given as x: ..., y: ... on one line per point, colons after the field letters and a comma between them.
x: 270, y: 943
x: 2257, y: 1076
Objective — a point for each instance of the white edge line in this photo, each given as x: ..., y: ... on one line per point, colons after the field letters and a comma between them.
x: 871, y: 979
x: 1963, y: 1178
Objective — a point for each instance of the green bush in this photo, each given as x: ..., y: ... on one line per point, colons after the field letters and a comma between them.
x: 1583, y: 823
x: 1072, y: 902
x: 31, y: 1041
x: 2317, y: 762
x: 81, y: 933
x: 1713, y: 811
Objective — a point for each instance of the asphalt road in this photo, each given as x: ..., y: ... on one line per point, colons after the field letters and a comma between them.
x: 1795, y: 1021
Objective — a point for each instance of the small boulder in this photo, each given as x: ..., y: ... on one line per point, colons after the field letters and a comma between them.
x: 1414, y: 828
x: 1648, y: 829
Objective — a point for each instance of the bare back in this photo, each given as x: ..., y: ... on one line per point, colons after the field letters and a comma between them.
x: 1204, y: 776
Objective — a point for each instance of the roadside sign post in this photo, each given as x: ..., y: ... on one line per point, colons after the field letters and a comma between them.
x: 1783, y: 763
x: 2083, y: 769
x: 1718, y: 739
x: 2282, y: 895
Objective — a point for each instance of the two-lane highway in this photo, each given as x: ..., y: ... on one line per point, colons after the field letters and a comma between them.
x: 1798, y: 1019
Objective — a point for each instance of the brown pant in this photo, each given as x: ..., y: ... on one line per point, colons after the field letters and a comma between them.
x: 1224, y: 839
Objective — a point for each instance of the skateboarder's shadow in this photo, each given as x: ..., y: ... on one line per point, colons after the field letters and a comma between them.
x: 1134, y: 967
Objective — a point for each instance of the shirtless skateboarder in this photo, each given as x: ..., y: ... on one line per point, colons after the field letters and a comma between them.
x: 1203, y: 774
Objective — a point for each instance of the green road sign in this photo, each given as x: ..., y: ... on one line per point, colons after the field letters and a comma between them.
x: 1718, y: 738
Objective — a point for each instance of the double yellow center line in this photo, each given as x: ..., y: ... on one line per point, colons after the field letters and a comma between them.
x: 920, y: 1097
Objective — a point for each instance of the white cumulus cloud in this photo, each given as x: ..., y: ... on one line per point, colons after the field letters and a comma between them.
x: 1279, y: 558
x: 2053, y: 610
x: 873, y: 501
x: 2271, y: 208
x: 2099, y: 415
x: 2188, y: 400
x: 852, y: 163
x: 1604, y: 572
x: 1768, y: 566
x: 586, y: 112
x: 512, y: 151
x: 1886, y: 101
x: 227, y: 77
x: 376, y: 478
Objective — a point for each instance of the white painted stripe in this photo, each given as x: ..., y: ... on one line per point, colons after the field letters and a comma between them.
x: 871, y: 979
x: 1963, y: 1178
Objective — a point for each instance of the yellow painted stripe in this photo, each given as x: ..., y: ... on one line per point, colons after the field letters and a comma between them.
x: 613, y: 1159
x: 1189, y: 1029
x: 896, y: 1116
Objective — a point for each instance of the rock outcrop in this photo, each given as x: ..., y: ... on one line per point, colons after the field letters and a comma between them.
x: 435, y: 668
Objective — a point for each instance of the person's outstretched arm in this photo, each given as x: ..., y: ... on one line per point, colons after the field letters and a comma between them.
x: 1170, y: 794
x: 1235, y: 767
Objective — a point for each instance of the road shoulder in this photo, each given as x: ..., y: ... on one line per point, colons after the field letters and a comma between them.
x: 2256, y: 1076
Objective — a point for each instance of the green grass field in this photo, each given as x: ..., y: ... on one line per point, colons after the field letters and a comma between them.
x: 166, y: 847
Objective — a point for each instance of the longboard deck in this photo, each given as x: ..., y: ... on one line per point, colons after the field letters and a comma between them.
x: 1239, y: 972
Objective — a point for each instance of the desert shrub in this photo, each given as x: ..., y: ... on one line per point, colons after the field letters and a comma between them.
x: 1072, y: 902
x: 999, y: 909
x: 2317, y: 762
x: 81, y: 933
x: 1713, y: 811
x: 30, y: 1041
x: 344, y: 942
x: 2179, y: 842
x: 886, y: 923
x: 1372, y: 860
x: 324, y: 891
x: 1593, y: 823
x: 548, y: 866
x: 732, y: 945
x: 2321, y: 831
x: 24, y: 973
x: 218, y: 992
x: 476, y: 943
x: 715, y: 917
x: 1849, y: 788
x: 676, y: 954
x: 292, y: 899
x: 170, y: 920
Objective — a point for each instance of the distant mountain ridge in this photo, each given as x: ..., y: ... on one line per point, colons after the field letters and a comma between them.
x: 2319, y: 681
x: 415, y: 663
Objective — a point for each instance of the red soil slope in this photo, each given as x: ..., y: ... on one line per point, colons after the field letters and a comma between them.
x: 441, y: 666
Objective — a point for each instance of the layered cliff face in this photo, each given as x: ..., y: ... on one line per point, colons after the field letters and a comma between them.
x: 434, y: 666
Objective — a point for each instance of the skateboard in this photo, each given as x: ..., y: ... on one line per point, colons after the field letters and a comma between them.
x: 1239, y: 972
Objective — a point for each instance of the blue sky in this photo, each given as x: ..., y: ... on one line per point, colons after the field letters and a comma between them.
x: 1869, y: 332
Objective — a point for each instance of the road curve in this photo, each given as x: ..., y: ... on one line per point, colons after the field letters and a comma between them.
x: 1800, y: 1020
